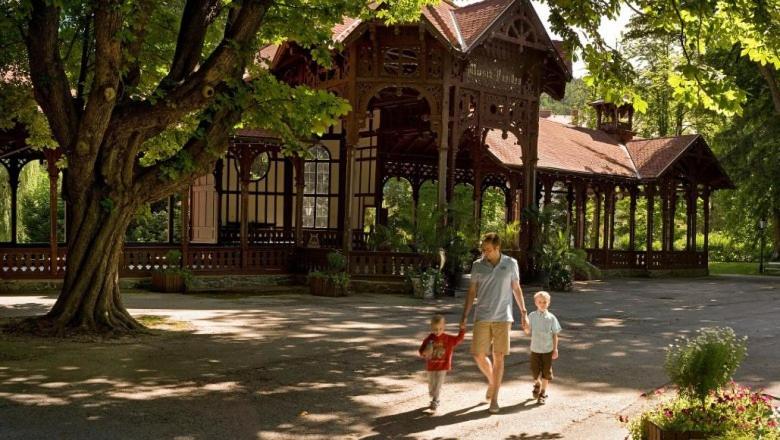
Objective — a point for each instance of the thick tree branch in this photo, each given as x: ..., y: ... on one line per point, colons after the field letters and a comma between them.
x: 196, y: 18
x: 202, y: 151
x: 132, y: 51
x: 770, y: 75
x: 86, y: 47
x: 47, y: 72
x: 226, y: 62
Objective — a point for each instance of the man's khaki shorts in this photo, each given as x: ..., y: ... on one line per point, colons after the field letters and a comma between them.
x: 487, y: 333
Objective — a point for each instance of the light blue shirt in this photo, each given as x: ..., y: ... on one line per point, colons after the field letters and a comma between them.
x: 543, y: 326
x: 494, y: 288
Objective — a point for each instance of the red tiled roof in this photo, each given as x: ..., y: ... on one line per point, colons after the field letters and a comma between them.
x: 653, y: 156
x: 342, y: 30
x: 474, y: 19
x: 267, y: 53
x: 440, y: 17
x: 566, y: 148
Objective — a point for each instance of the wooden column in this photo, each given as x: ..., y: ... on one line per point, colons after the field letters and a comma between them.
x: 664, y: 188
x: 349, y: 159
x: 289, y: 198
x: 13, y: 177
x: 171, y: 220
x: 244, y: 219
x: 570, y: 209
x: 632, y: 219
x: 508, y: 204
x: 530, y: 159
x: 690, y: 207
x: 476, y: 193
x: 300, y: 183
x: 51, y: 166
x: 219, y: 189
x: 650, y: 196
x: 596, y: 220
x: 613, y: 209
x: 185, y: 226
x: 608, y: 200
x: 352, y: 127
x: 580, y: 196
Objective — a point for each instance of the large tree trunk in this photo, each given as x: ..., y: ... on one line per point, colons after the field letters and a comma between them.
x: 90, y: 299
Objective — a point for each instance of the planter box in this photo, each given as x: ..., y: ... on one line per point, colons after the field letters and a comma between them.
x: 653, y: 432
x: 321, y: 286
x: 417, y: 288
x: 167, y: 282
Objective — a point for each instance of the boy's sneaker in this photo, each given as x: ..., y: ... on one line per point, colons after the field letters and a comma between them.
x: 542, y: 399
x: 536, y: 391
x: 494, y: 408
x: 434, y: 405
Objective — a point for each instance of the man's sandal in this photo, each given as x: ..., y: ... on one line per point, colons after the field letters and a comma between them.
x: 536, y: 391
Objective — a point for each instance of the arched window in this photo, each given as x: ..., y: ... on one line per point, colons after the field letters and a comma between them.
x: 316, y: 190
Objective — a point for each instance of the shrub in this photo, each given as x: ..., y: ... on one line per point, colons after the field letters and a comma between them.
x: 706, y: 362
x: 337, y: 262
x: 733, y: 412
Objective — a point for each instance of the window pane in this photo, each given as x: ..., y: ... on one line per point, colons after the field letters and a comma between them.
x: 323, y: 178
x: 308, y: 212
x: 322, y: 212
x: 309, y: 176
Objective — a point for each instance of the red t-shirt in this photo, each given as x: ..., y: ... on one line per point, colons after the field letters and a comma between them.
x: 442, y: 350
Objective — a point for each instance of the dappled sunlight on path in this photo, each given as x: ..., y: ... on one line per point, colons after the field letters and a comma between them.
x: 296, y: 366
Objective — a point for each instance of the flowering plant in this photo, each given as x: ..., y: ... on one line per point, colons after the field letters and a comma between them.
x: 731, y: 412
x: 705, y: 362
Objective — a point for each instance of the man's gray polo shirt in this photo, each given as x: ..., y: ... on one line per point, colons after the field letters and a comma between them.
x: 494, y: 288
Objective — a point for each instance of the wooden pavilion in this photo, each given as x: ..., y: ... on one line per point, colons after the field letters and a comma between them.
x: 453, y: 99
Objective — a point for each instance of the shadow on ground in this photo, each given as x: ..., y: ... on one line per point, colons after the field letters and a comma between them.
x: 298, y: 366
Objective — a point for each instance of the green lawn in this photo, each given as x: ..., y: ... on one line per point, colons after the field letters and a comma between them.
x: 718, y: 268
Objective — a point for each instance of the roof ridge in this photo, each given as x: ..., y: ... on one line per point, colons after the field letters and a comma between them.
x: 458, y: 34
x: 479, y: 3
x: 666, y: 137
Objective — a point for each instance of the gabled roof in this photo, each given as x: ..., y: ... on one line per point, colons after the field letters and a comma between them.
x: 579, y: 150
x: 473, y: 20
x: 462, y: 28
x: 566, y: 148
x: 653, y: 156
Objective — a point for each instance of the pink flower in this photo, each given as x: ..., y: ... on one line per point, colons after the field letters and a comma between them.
x: 740, y: 409
x: 668, y: 413
x: 772, y: 424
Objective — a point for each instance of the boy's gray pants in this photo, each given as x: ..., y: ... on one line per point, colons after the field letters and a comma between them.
x: 435, y: 379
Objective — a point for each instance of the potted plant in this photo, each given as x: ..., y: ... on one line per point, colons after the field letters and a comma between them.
x: 334, y: 281
x: 556, y: 260
x: 171, y: 277
x: 425, y: 283
x: 707, y: 404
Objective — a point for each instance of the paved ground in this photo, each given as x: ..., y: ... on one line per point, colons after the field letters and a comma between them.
x: 295, y: 366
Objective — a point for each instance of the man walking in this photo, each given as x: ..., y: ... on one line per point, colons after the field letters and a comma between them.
x: 495, y: 278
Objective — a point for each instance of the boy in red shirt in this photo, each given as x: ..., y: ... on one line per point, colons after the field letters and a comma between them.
x: 437, y: 350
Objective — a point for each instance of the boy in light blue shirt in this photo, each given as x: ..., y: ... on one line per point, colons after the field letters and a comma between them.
x: 544, y: 328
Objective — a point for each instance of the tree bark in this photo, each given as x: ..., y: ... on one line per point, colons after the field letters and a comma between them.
x: 770, y: 75
x: 89, y: 300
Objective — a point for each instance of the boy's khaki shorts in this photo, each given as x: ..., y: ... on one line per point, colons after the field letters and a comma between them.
x: 487, y: 333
